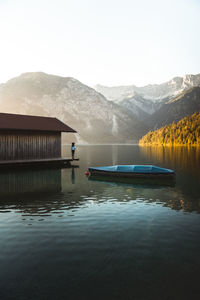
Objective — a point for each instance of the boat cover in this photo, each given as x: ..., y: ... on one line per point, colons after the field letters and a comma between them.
x: 146, y: 169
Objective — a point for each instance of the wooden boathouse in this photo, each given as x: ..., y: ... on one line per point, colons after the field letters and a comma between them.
x: 26, y: 138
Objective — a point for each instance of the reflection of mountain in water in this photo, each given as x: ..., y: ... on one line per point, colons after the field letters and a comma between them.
x: 184, y: 158
x: 185, y: 161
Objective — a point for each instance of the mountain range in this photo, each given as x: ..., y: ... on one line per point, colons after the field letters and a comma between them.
x: 96, y: 119
x: 145, y: 101
x: 187, y: 103
x: 120, y: 114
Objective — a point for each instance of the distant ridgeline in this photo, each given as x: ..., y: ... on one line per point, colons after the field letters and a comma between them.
x: 185, y: 132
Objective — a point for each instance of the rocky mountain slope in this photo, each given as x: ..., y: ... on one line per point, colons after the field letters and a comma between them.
x: 138, y: 106
x: 150, y: 98
x: 96, y: 119
x: 185, y: 104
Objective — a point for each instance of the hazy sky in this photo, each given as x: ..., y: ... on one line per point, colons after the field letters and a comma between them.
x: 110, y: 42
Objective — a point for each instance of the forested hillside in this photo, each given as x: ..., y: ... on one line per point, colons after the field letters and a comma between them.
x: 185, y: 132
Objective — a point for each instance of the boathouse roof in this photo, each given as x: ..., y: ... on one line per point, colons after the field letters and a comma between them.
x: 34, y: 123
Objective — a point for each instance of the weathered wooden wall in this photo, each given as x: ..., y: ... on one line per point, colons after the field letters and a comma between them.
x: 29, y: 145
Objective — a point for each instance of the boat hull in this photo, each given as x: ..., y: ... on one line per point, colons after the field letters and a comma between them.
x: 130, y: 174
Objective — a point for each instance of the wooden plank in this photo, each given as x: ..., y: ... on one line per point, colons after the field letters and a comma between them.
x: 37, y: 161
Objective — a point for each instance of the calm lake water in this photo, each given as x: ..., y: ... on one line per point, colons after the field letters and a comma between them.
x: 63, y: 236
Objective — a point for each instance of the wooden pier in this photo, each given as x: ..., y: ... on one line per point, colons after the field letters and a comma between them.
x: 61, y: 161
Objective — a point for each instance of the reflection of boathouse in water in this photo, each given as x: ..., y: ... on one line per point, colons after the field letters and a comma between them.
x: 30, y: 182
x: 30, y: 192
x: 37, y: 191
x: 30, y: 138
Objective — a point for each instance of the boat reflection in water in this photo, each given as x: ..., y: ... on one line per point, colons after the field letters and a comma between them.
x: 160, y: 192
x: 134, y: 182
x: 46, y: 192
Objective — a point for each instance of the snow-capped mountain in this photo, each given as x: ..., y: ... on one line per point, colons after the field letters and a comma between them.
x: 149, y: 98
x: 96, y: 119
x: 139, y: 106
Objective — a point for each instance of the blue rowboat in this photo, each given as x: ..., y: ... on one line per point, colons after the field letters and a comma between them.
x: 136, y: 171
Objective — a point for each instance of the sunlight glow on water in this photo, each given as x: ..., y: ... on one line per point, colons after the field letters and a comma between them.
x: 63, y: 235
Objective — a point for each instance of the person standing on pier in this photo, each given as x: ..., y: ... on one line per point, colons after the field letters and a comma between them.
x: 73, y: 148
